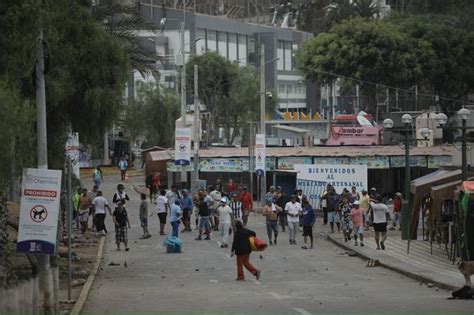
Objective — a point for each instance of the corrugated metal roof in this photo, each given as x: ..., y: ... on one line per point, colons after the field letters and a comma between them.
x: 349, y: 151
x: 161, y: 155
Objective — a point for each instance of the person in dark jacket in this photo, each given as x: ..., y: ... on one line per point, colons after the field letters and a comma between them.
x: 241, y: 248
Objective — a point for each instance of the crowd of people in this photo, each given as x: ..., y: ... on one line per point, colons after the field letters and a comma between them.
x: 225, y: 209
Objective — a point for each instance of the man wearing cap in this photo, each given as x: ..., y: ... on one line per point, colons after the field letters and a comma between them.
x: 224, y: 212
x: 247, y: 205
x: 357, y: 216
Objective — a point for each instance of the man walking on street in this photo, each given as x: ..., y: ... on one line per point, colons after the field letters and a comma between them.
x: 357, y: 216
x: 175, y: 215
x: 187, y: 204
x: 380, y: 216
x: 281, y: 202
x: 332, y: 205
x: 123, y: 166
x: 203, y: 212
x: 236, y: 207
x: 100, y: 206
x: 308, y: 218
x: 271, y: 213
x: 121, y: 222
x: 225, y: 214
x: 85, y: 205
x: 247, y: 205
x: 162, y: 209
x: 293, y: 211
x: 397, y: 209
x: 143, y: 214
x: 241, y: 248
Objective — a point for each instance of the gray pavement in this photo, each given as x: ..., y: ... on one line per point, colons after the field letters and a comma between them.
x: 294, y: 281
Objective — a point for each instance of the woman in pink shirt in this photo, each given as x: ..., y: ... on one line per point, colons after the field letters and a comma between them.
x: 357, y: 216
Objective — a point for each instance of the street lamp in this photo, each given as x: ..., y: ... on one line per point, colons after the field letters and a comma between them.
x: 425, y: 133
x: 463, y: 114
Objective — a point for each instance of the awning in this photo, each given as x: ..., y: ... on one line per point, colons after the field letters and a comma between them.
x: 290, y: 128
x: 161, y: 155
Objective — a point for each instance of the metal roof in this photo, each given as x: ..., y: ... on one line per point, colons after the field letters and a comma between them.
x: 328, y: 151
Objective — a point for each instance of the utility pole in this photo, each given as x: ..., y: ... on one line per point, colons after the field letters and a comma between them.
x: 263, y: 180
x: 44, y: 265
x: 388, y: 100
x: 357, y: 109
x: 197, y: 133
x: 183, y: 94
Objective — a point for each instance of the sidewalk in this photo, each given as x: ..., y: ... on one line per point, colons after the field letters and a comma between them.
x: 419, y: 264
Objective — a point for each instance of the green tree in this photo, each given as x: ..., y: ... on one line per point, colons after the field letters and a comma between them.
x: 372, y: 51
x: 216, y: 76
x: 448, y: 72
x: 123, y: 22
x: 153, y: 114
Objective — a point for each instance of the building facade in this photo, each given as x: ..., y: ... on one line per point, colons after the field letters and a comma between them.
x: 236, y: 41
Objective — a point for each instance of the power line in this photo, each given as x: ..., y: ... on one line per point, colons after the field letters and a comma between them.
x: 383, y: 85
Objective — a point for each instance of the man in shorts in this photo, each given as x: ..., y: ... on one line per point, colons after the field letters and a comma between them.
x: 357, y: 216
x: 162, y: 209
x: 380, y: 216
x: 332, y: 209
x: 143, y: 213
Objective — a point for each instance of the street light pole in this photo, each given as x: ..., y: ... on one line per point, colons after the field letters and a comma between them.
x: 263, y: 180
x: 464, y: 150
x: 197, y: 134
x: 183, y: 94
x: 407, y: 164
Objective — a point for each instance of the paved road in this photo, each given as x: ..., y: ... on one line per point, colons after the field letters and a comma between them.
x: 294, y: 281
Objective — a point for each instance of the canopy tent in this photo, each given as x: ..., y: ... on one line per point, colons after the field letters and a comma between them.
x: 422, y: 186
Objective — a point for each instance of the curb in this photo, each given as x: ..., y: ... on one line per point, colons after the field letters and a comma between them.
x: 403, y: 272
x: 81, y: 300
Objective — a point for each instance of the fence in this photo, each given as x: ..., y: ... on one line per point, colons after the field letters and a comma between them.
x: 21, y: 299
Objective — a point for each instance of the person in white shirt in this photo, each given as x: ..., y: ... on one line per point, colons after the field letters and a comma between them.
x: 293, y: 211
x: 100, y: 205
x: 162, y: 209
x: 380, y: 216
x: 225, y: 217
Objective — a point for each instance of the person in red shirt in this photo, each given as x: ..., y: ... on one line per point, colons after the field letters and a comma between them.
x: 247, y: 204
x: 397, y: 209
x: 230, y: 187
x: 155, y: 185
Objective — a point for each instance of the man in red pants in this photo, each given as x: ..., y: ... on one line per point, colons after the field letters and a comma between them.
x: 241, y: 248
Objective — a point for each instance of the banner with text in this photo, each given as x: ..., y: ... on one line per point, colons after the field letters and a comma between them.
x: 73, y: 152
x: 39, y: 210
x: 260, y: 154
x: 182, y: 148
x: 339, y: 176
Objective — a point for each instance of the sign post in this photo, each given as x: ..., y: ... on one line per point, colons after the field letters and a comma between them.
x: 182, y: 150
x: 260, y: 164
x: 39, y: 211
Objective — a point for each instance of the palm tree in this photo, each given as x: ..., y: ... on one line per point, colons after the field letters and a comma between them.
x: 123, y: 23
x: 366, y: 8
x: 338, y: 11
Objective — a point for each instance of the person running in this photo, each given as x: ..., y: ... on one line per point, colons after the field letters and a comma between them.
x: 100, y: 206
x: 175, y: 215
x: 121, y: 222
x: 204, y: 220
x: 271, y: 214
x: 123, y: 166
x: 247, y: 205
x: 397, y: 209
x: 293, y: 211
x: 241, y: 248
x: 281, y: 202
x: 85, y: 205
x: 332, y: 205
x: 345, y: 212
x: 236, y: 207
x: 98, y: 177
x: 225, y: 215
x: 162, y: 209
x: 308, y: 219
x: 143, y: 213
x: 187, y: 204
x: 380, y: 216
x: 120, y: 195
x: 357, y: 217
